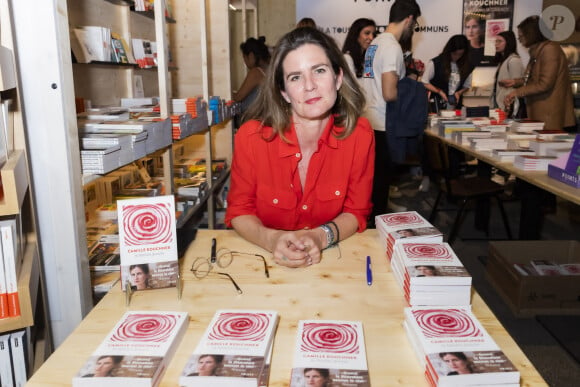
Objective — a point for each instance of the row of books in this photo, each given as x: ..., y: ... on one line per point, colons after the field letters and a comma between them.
x: 15, y: 358
x: 11, y: 254
x: 235, y: 350
x: 547, y: 267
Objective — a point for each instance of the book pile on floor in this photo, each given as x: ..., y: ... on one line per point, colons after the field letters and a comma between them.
x: 431, y: 274
x: 136, y: 352
x: 399, y: 226
x: 455, y: 350
x: 330, y: 350
x: 234, y: 350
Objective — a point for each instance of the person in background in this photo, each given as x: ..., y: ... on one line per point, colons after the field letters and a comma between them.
x: 546, y: 82
x: 509, y: 67
x: 448, y: 75
x: 256, y: 57
x: 457, y: 363
x: 302, y: 169
x: 316, y: 377
x: 384, y: 67
x: 474, y: 27
x: 106, y: 366
x: 139, y: 276
x: 360, y: 35
x: 306, y: 22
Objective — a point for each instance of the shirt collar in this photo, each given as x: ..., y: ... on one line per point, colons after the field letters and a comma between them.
x: 290, y: 148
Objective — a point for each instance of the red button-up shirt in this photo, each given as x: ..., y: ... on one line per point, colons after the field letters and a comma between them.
x: 265, y: 181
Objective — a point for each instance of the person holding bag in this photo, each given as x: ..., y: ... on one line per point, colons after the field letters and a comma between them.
x: 546, y: 83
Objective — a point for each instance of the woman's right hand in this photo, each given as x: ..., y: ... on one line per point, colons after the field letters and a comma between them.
x: 293, y: 250
x: 507, y: 83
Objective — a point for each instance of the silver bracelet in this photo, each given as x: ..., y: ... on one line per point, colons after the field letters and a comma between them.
x: 329, y: 235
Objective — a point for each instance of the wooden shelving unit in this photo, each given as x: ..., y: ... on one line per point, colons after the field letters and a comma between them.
x: 14, y: 183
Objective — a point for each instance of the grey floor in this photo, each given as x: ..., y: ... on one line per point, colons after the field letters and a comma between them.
x: 553, y: 362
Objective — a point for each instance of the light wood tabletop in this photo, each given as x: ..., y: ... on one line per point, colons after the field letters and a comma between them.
x: 334, y: 289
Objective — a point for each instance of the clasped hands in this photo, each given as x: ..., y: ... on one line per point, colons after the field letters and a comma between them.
x: 297, y: 248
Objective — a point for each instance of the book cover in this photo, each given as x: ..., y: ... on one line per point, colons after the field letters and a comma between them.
x: 6, y: 374
x: 148, y: 242
x: 104, y: 255
x: 233, y: 350
x: 457, y: 349
x: 11, y: 256
x: 19, y: 353
x: 136, y: 351
x: 3, y: 291
x: 332, y: 351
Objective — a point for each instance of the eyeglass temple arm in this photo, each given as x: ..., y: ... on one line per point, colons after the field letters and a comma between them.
x: 233, y: 281
x: 266, y: 271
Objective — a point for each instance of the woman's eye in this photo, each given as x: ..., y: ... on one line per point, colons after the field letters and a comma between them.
x: 293, y: 78
x: 320, y: 70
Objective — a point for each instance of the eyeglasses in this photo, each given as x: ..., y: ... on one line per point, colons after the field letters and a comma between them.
x: 202, y: 266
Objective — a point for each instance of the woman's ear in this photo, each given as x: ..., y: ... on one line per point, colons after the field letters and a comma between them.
x: 285, y: 96
x: 339, y: 79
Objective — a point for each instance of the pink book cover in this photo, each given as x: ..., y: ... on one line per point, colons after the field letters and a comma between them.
x: 136, y: 351
x: 332, y: 351
x: 234, y: 350
x: 148, y: 242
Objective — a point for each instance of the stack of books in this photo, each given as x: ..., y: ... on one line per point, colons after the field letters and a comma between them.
x: 455, y: 350
x: 396, y: 227
x: 509, y: 154
x: 100, y: 161
x: 96, y: 141
x: 330, y: 350
x: 464, y: 137
x: 541, y: 147
x: 489, y: 143
x: 136, y: 352
x: 234, y: 350
x: 446, y: 128
x: 533, y: 163
x: 519, y: 140
x: 526, y: 125
x: 431, y: 274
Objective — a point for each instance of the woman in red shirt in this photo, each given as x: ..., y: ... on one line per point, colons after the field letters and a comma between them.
x: 302, y: 169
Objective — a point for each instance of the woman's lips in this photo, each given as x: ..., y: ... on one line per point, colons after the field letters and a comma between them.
x: 312, y: 100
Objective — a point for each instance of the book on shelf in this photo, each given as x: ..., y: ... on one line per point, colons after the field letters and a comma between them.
x: 136, y: 352
x: 330, y: 349
x: 11, y: 255
x: 5, y: 359
x: 233, y: 351
x: 148, y: 242
x: 104, y: 255
x: 19, y: 350
x: 455, y: 349
x: 4, y: 312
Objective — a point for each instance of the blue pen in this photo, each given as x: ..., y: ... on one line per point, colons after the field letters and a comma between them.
x: 369, y: 271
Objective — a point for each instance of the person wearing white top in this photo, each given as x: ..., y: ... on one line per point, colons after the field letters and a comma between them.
x: 510, y: 67
x: 384, y: 67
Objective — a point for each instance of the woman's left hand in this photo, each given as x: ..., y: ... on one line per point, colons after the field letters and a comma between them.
x: 296, y: 249
x: 509, y: 99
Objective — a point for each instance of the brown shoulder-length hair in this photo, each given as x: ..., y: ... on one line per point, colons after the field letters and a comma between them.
x: 530, y: 29
x: 271, y: 109
x: 456, y: 42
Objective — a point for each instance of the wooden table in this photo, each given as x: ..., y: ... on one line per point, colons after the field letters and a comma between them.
x: 334, y: 289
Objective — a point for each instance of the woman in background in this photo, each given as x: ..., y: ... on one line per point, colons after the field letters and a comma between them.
x: 509, y: 67
x: 360, y: 35
x: 474, y: 27
x: 546, y: 82
x: 256, y: 57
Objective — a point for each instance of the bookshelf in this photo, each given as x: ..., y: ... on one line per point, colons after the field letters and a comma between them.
x: 49, y: 96
x: 17, y: 201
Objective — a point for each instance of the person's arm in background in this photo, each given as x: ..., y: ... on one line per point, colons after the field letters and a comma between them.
x: 466, y: 86
x: 428, y: 76
x: 389, y: 83
x: 252, y: 80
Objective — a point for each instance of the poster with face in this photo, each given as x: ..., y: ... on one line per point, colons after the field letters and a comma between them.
x: 482, y: 21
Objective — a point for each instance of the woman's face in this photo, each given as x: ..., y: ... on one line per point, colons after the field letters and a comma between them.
x: 206, y: 366
x: 366, y: 36
x: 499, y: 44
x: 522, y: 38
x: 456, y: 55
x: 456, y: 364
x: 426, y: 271
x: 314, y: 378
x: 104, y: 367
x: 250, y: 60
x: 139, y: 278
x: 310, y: 82
x: 472, y: 30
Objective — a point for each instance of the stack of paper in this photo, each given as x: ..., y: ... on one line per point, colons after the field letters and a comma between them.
x: 431, y: 274
x: 533, y: 163
x: 399, y: 226
x: 136, y: 352
x: 455, y: 349
x: 233, y: 351
x: 329, y: 350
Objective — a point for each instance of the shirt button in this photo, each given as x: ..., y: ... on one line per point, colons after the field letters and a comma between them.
x: 337, y: 193
x: 298, y: 155
x: 304, y: 207
x: 275, y: 201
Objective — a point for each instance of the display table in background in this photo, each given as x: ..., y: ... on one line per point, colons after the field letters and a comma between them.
x: 334, y: 289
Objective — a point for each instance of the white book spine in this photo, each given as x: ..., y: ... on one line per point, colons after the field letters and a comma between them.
x: 18, y: 349
x: 6, y: 376
x: 8, y: 234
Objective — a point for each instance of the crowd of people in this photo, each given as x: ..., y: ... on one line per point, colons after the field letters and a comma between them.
x: 311, y: 163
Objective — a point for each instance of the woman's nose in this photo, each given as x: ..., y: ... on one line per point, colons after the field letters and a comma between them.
x: 309, y: 83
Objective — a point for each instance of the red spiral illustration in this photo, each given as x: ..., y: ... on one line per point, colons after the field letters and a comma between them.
x: 427, y: 250
x: 241, y: 326
x: 146, y: 328
x: 399, y: 218
x: 446, y: 323
x: 146, y: 224
x: 327, y: 337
